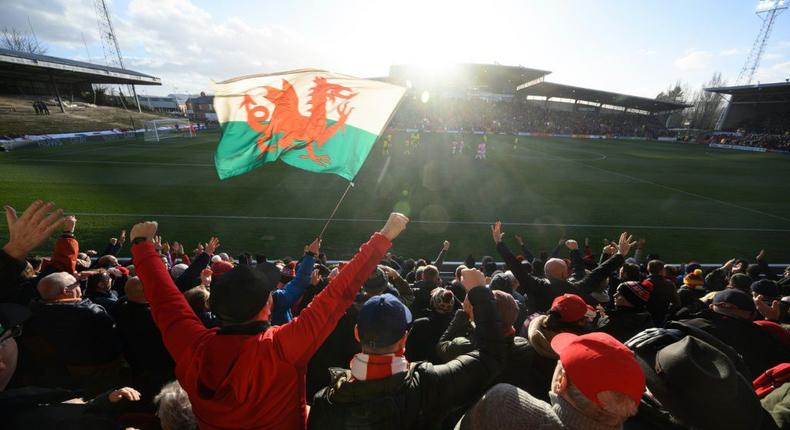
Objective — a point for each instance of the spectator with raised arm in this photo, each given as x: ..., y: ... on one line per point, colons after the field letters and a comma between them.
x: 382, y: 387
x: 292, y: 291
x: 541, y: 291
x: 248, y: 373
x: 26, y: 232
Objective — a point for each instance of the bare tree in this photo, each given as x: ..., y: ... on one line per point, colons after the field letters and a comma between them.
x: 15, y: 40
x: 707, y: 105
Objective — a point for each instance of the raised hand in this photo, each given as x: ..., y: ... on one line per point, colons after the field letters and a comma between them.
x: 69, y: 224
x: 127, y: 393
x: 771, y: 313
x: 389, y: 271
x: 446, y: 245
x: 315, y: 277
x: 113, y: 241
x: 122, y: 238
x: 728, y: 265
x: 394, y: 226
x: 145, y: 230
x: 496, y: 232
x: 519, y: 239
x: 760, y: 256
x: 572, y: 244
x: 314, y: 247
x: 212, y: 245
x: 472, y: 278
x: 561, y: 242
x: 157, y: 243
x: 205, y: 277
x: 27, y: 232
x: 625, y: 243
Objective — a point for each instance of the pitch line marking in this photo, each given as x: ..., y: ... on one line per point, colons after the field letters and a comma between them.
x: 132, y: 163
x: 726, y: 203
x: 370, y: 220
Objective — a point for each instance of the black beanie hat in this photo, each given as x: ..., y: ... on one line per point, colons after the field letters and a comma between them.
x: 239, y: 294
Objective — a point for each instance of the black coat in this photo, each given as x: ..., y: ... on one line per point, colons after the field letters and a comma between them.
x: 81, y: 332
x: 337, y: 351
x: 424, y: 334
x: 663, y: 298
x: 422, y: 396
x: 760, y: 350
x: 623, y: 323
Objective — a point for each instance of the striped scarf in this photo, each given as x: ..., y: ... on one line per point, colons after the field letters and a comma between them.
x: 369, y: 367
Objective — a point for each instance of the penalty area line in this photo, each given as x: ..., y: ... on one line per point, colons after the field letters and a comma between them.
x: 374, y: 220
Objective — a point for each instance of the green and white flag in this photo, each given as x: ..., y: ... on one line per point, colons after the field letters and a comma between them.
x: 311, y: 119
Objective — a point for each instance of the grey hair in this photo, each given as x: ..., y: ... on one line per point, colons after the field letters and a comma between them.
x: 614, y: 407
x: 174, y: 408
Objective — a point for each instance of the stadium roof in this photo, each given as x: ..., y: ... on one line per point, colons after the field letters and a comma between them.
x: 777, y: 91
x: 25, y: 66
x: 552, y: 90
x: 493, y: 78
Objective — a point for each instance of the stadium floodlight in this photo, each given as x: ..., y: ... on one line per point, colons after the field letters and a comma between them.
x: 159, y: 129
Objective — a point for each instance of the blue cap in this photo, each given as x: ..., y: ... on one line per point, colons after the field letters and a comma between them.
x: 382, y: 321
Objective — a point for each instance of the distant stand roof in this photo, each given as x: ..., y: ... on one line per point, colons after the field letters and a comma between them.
x: 26, y: 66
x: 552, y: 90
x: 773, y: 92
x: 494, y: 78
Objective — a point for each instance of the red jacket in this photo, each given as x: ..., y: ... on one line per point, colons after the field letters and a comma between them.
x: 249, y: 381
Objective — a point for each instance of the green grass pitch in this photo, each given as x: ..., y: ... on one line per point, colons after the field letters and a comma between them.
x: 687, y: 201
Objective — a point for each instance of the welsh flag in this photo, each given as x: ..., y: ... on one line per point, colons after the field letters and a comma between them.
x: 311, y: 119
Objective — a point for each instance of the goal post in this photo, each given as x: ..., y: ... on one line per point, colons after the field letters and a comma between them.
x: 160, y: 129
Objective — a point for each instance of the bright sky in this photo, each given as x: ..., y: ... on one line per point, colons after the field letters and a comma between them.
x: 625, y: 46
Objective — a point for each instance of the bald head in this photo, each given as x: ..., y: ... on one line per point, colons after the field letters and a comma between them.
x: 556, y: 268
x: 134, y: 290
x: 59, y: 285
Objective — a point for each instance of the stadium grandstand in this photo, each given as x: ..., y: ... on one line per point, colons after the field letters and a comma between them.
x: 757, y: 117
x: 763, y: 108
x: 515, y: 99
x: 34, y: 74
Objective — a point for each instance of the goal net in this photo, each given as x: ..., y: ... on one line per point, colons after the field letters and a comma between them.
x: 159, y: 129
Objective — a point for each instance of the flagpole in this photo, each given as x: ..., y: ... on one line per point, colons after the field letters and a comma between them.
x: 331, y: 217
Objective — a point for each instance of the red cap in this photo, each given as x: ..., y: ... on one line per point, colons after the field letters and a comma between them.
x: 571, y: 307
x: 220, y: 267
x: 597, y: 362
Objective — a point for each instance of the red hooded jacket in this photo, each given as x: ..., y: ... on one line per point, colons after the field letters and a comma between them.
x: 249, y: 381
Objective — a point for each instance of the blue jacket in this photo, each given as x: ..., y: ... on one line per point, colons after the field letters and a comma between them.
x: 284, y: 298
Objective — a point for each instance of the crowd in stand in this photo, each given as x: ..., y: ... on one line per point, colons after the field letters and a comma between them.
x: 777, y: 142
x: 442, y: 114
x: 561, y: 340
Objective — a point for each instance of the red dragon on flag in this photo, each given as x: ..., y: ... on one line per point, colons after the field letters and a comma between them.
x: 298, y: 130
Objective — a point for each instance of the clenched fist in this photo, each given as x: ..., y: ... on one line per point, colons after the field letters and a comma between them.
x: 472, y: 278
x: 394, y: 226
x: 145, y: 230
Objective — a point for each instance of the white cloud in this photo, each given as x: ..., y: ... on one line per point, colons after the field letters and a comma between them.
x: 733, y: 51
x: 694, y: 60
x: 774, y: 73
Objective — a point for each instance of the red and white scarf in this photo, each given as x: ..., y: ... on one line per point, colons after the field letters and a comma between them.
x: 366, y: 367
